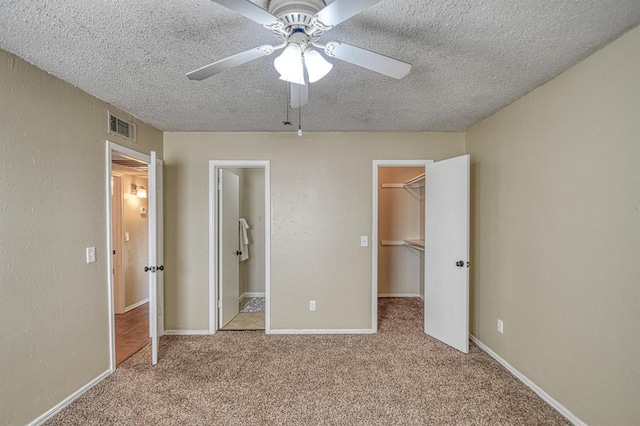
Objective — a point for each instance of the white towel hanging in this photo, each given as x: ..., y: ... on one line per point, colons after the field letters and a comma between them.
x: 244, y: 239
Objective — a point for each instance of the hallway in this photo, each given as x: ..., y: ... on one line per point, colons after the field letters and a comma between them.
x: 132, y: 332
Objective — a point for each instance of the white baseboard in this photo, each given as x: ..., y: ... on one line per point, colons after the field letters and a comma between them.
x: 68, y: 400
x: 323, y: 331
x: 524, y: 379
x: 135, y: 305
x: 252, y: 294
x: 185, y: 332
x: 399, y: 295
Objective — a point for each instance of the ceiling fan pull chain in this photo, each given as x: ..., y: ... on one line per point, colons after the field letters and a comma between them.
x: 287, y: 122
x: 299, y: 117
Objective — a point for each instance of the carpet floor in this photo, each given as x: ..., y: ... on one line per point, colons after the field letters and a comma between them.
x: 398, y: 376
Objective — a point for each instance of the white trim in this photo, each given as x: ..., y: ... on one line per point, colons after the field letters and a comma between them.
x: 399, y: 295
x: 135, y: 305
x: 128, y: 151
x: 324, y: 331
x: 213, y: 206
x: 68, y: 400
x: 249, y: 294
x: 110, y: 285
x: 524, y: 379
x: 185, y: 332
x: 374, y: 232
x: 214, y: 165
x: 110, y: 146
x: 267, y: 247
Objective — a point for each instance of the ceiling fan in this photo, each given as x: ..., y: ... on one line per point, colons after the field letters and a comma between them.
x: 298, y: 24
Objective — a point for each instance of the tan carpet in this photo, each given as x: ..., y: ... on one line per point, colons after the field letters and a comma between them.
x: 399, y: 376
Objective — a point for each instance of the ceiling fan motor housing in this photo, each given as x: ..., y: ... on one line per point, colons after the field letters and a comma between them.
x: 296, y: 14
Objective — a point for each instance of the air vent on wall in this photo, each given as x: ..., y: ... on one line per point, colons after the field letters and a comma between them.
x: 124, y: 128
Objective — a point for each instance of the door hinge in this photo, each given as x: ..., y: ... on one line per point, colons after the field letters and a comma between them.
x: 219, y: 186
x: 219, y: 304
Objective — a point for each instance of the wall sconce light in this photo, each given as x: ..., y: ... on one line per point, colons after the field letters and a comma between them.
x: 138, y: 191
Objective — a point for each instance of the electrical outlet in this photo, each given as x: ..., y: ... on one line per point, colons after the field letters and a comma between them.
x: 312, y: 305
x: 500, y: 327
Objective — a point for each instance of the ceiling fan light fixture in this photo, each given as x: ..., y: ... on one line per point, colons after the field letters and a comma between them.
x: 317, y: 66
x: 289, y: 64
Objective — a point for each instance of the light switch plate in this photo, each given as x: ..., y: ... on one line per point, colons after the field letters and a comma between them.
x: 91, y: 254
x: 126, y: 237
x: 364, y: 241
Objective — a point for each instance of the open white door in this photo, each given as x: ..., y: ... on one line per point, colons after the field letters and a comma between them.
x: 155, y: 267
x: 446, y: 292
x: 229, y: 244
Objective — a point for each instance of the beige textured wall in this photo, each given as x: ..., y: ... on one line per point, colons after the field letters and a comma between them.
x: 399, y: 218
x: 321, y: 203
x: 556, y: 235
x: 53, y: 305
x: 136, y: 250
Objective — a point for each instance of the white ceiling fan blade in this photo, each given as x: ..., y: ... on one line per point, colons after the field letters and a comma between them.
x: 230, y: 62
x: 249, y: 10
x: 341, y: 10
x: 299, y: 95
x: 365, y: 58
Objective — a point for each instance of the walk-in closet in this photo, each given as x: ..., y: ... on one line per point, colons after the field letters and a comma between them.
x: 401, y: 231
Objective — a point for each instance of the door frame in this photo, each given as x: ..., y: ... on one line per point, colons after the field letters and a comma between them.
x: 109, y: 148
x: 214, y: 166
x: 374, y: 232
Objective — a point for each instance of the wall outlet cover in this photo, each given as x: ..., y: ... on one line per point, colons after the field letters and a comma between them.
x: 91, y: 254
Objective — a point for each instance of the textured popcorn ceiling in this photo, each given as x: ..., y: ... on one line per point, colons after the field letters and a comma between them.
x: 470, y: 58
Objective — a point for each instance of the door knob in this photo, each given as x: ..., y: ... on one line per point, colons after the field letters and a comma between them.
x: 459, y: 263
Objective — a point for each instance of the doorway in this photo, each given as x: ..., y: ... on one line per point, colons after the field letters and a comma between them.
x: 130, y: 236
x: 239, y: 261
x: 134, y: 225
x: 401, y: 232
x: 443, y: 238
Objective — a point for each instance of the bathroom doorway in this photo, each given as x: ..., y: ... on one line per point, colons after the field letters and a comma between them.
x: 239, y: 245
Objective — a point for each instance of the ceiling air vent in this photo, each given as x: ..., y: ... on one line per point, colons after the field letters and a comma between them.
x: 124, y: 128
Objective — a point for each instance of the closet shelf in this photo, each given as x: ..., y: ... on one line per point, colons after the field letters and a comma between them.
x: 416, y: 182
x: 416, y: 244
